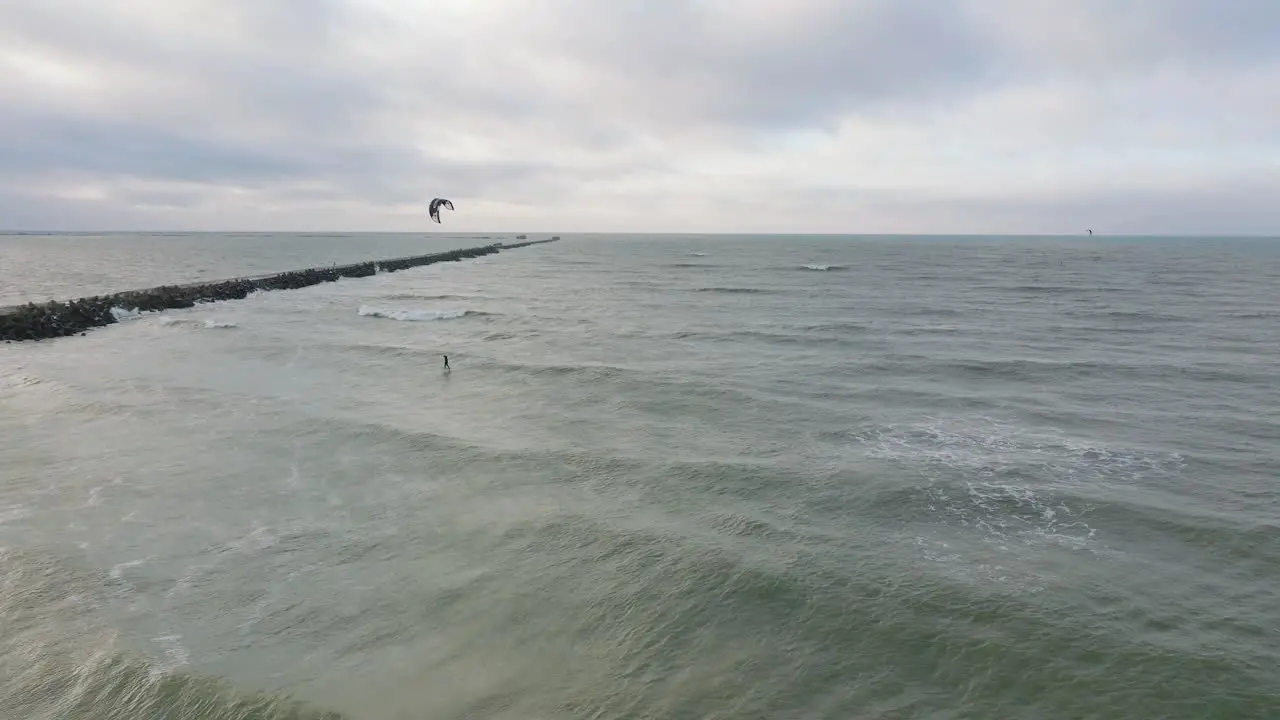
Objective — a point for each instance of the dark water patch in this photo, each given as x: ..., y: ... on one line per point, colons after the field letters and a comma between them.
x: 1137, y: 316
x: 416, y: 296
x: 929, y: 312
x: 584, y: 372
x: 416, y: 354
x: 735, y: 290
x: 420, y: 315
x: 1026, y: 369
x: 927, y: 331
x: 1061, y: 289
x: 1056, y: 371
x: 764, y: 337
x: 851, y: 327
x: 1019, y: 370
x: 690, y: 266
x: 1085, y: 331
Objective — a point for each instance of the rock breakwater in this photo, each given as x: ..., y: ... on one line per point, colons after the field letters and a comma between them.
x: 73, y: 317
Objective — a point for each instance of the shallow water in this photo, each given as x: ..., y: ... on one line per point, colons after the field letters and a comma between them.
x: 677, y: 476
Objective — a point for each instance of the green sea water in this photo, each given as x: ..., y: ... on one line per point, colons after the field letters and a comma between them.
x: 667, y: 477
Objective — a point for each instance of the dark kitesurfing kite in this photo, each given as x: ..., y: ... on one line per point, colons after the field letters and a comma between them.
x: 436, y: 204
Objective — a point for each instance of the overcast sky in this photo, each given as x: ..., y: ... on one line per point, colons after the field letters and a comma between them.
x: 857, y: 116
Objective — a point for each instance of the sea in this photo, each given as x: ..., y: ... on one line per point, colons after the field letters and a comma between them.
x: 665, y: 477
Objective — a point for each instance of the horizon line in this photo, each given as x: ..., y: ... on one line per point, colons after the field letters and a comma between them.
x: 444, y: 233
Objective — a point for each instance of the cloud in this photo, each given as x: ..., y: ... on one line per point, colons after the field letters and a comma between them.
x: 711, y: 115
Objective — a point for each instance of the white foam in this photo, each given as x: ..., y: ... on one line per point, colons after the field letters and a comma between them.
x: 117, y: 570
x: 1008, y: 485
x: 175, y: 654
x: 123, y: 314
x: 410, y: 315
x: 13, y: 512
x: 820, y: 268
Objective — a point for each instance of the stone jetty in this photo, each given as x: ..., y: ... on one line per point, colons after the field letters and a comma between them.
x: 74, y: 317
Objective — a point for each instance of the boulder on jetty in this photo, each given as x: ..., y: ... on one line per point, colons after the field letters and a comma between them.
x: 59, y: 319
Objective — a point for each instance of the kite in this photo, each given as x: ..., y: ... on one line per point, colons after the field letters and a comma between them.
x: 436, y: 204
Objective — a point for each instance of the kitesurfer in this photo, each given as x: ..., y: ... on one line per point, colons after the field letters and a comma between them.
x: 446, y: 362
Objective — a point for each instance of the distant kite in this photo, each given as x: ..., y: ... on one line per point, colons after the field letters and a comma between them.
x: 435, y: 206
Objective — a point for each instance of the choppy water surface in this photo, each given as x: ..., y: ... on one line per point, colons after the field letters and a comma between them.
x: 667, y: 477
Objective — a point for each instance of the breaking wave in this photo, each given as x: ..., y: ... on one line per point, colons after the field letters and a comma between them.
x: 123, y: 314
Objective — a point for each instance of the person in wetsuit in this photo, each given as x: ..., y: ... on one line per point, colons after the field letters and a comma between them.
x: 446, y: 362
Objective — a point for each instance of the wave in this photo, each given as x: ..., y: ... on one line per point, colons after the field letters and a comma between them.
x: 1004, y: 481
x: 1057, y: 289
x: 734, y: 290
x: 584, y: 372
x: 792, y: 601
x: 60, y: 658
x: 1135, y: 315
x: 412, y: 315
x: 836, y: 334
x: 125, y: 314
x: 823, y: 267
x: 416, y: 296
x: 838, y: 327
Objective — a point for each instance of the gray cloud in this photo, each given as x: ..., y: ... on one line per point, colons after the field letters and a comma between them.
x: 840, y: 115
x: 845, y: 55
